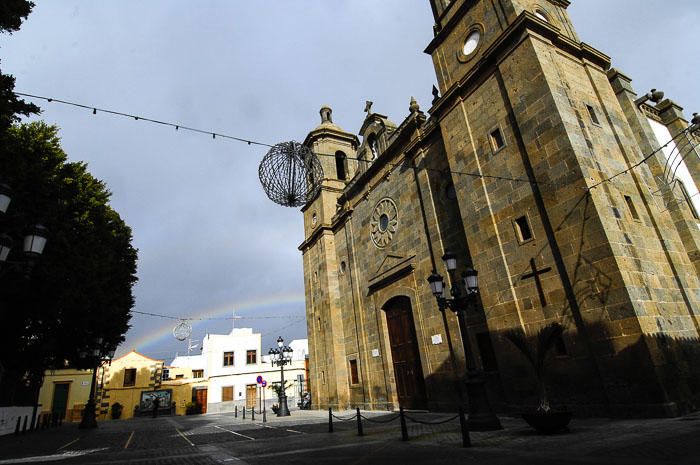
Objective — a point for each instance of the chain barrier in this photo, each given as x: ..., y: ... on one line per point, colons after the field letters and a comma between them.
x: 466, y: 440
x: 381, y: 421
x: 344, y: 419
x: 432, y: 422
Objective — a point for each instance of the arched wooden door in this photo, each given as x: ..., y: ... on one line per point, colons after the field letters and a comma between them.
x: 410, y: 384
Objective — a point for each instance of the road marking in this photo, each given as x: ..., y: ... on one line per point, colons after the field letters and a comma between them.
x: 317, y: 449
x: 52, y: 458
x: 277, y: 427
x: 128, y: 441
x: 66, y: 445
x: 233, y: 432
x: 184, y: 437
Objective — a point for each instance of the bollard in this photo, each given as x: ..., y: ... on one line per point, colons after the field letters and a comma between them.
x: 19, y: 423
x: 24, y: 427
x: 466, y: 440
x: 60, y: 419
x: 330, y: 420
x: 264, y: 415
x: 244, y: 412
x: 235, y: 411
x: 404, y: 429
x: 359, y: 423
x: 252, y: 414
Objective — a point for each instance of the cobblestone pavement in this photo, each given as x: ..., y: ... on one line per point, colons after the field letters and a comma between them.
x: 304, y: 438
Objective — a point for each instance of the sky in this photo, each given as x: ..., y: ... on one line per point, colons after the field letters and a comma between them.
x: 209, y: 240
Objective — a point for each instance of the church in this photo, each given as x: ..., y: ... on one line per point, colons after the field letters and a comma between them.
x: 540, y: 167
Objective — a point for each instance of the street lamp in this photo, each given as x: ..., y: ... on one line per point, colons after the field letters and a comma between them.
x: 35, y: 238
x: 281, y: 356
x: 98, y: 357
x: 481, y: 415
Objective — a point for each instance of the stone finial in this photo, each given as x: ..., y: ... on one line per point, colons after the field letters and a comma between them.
x: 326, y: 114
x: 436, y: 94
x: 414, y: 107
x: 696, y: 119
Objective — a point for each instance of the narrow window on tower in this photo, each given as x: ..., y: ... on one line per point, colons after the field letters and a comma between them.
x: 630, y: 205
x: 340, y: 165
x: 593, y: 115
x: 354, y: 376
x: 522, y: 227
x: 497, y: 141
x: 689, y: 201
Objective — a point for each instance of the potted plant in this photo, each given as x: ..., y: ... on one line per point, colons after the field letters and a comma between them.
x: 275, y: 408
x: 116, y: 410
x: 544, y: 419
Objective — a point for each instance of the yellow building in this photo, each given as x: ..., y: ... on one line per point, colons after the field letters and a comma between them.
x: 65, y: 392
x: 130, y: 381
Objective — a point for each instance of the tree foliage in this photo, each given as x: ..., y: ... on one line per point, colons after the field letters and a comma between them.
x: 12, y: 12
x: 81, y: 287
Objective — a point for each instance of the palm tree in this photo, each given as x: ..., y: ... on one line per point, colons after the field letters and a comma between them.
x: 546, y: 338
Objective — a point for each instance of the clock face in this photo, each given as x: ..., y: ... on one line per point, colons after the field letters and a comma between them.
x: 384, y: 222
x: 471, y: 43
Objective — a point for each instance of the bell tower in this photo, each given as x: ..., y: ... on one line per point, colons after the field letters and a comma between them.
x: 528, y: 111
x: 336, y: 150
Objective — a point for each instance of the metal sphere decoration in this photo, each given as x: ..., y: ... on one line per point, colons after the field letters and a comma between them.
x: 290, y: 174
x: 182, y: 331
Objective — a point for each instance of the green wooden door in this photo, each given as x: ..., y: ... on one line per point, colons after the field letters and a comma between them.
x: 60, y: 399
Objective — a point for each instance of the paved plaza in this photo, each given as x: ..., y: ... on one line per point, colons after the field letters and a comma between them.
x: 303, y: 438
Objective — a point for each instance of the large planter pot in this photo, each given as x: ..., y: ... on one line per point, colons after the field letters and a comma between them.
x: 548, y: 422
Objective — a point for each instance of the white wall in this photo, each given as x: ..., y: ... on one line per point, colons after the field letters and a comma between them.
x: 9, y: 415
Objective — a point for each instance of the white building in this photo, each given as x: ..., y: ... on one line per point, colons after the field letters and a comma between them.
x: 231, y: 364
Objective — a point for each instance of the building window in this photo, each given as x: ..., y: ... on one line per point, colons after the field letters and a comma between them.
x: 343, y: 267
x: 228, y: 359
x: 130, y: 377
x: 354, y: 376
x: 251, y: 357
x: 165, y: 374
x: 340, y: 165
x: 497, y: 141
x: 226, y: 393
x: 373, y: 146
x: 593, y: 115
x: 179, y: 376
x: 542, y: 15
x: 198, y: 373
x: 630, y: 205
x: 323, y: 377
x: 689, y: 201
x: 522, y: 227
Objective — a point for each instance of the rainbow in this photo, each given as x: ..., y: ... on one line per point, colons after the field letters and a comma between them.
x: 219, y: 311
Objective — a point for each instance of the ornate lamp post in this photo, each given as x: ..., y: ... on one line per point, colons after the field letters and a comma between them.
x: 97, y: 357
x: 481, y: 415
x: 281, y: 356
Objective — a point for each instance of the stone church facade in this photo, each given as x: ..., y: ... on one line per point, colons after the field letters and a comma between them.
x: 509, y: 169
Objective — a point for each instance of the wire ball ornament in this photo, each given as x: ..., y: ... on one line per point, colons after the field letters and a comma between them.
x: 182, y: 331
x: 290, y: 174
